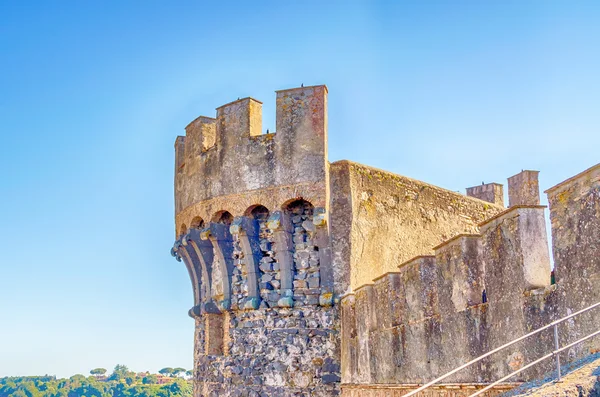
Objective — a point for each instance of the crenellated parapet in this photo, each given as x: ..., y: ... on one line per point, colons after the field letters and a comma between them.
x: 480, y: 291
x: 229, y: 162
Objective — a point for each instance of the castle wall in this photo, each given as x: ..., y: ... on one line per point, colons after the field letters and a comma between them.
x: 410, y: 216
x: 274, y: 352
x: 480, y: 291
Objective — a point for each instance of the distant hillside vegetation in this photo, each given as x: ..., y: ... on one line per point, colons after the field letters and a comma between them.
x: 120, y: 383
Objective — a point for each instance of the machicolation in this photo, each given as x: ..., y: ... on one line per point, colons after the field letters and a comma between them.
x: 312, y: 278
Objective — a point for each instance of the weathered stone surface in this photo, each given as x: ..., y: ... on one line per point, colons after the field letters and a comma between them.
x: 582, y: 382
x: 409, y: 215
x: 524, y: 189
x: 307, y: 275
x: 266, y: 322
x: 245, y: 167
x: 442, y: 390
x: 277, y: 352
x: 490, y: 192
x: 575, y: 218
x: 480, y: 292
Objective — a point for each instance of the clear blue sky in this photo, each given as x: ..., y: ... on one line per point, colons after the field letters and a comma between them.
x: 94, y: 93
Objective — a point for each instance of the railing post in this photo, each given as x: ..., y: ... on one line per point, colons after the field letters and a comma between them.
x: 556, y: 347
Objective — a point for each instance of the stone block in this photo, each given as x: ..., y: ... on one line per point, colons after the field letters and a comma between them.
x: 490, y: 192
x: 524, y: 189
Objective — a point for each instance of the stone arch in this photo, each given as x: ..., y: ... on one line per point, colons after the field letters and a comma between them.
x: 223, y: 217
x: 182, y: 230
x: 197, y: 222
x: 258, y: 212
x: 306, y: 270
x: 298, y: 206
x: 252, y: 251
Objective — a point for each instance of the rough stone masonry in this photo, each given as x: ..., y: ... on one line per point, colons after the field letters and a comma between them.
x: 294, y: 260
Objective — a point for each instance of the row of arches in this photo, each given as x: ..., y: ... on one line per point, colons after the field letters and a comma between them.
x: 261, y: 259
x: 256, y: 211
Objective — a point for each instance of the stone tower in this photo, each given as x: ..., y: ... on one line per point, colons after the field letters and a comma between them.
x: 251, y: 224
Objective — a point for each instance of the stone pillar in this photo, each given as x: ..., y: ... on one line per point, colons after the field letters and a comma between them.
x: 490, y: 192
x: 348, y: 339
x: 247, y: 231
x: 319, y: 232
x: 524, y: 189
x: 280, y: 225
x: 366, y: 323
x: 213, y: 337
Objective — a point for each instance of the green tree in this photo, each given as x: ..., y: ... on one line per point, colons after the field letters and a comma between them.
x: 179, y: 388
x: 119, y: 373
x: 81, y: 386
x: 78, y: 379
x: 98, y: 371
x: 150, y: 379
x: 167, y: 371
x: 177, y: 371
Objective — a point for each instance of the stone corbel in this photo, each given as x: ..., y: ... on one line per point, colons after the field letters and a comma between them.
x: 204, y: 252
x: 180, y: 252
x: 246, y: 229
x: 279, y: 223
x: 220, y: 238
x: 195, y: 312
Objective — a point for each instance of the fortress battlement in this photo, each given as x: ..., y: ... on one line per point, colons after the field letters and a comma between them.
x: 317, y: 278
x: 230, y: 155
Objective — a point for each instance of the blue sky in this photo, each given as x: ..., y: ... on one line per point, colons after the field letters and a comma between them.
x: 94, y: 94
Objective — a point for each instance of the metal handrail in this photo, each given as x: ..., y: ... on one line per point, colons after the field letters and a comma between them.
x: 554, y: 353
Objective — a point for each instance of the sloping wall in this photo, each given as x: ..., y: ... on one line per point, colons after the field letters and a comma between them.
x: 388, y: 219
